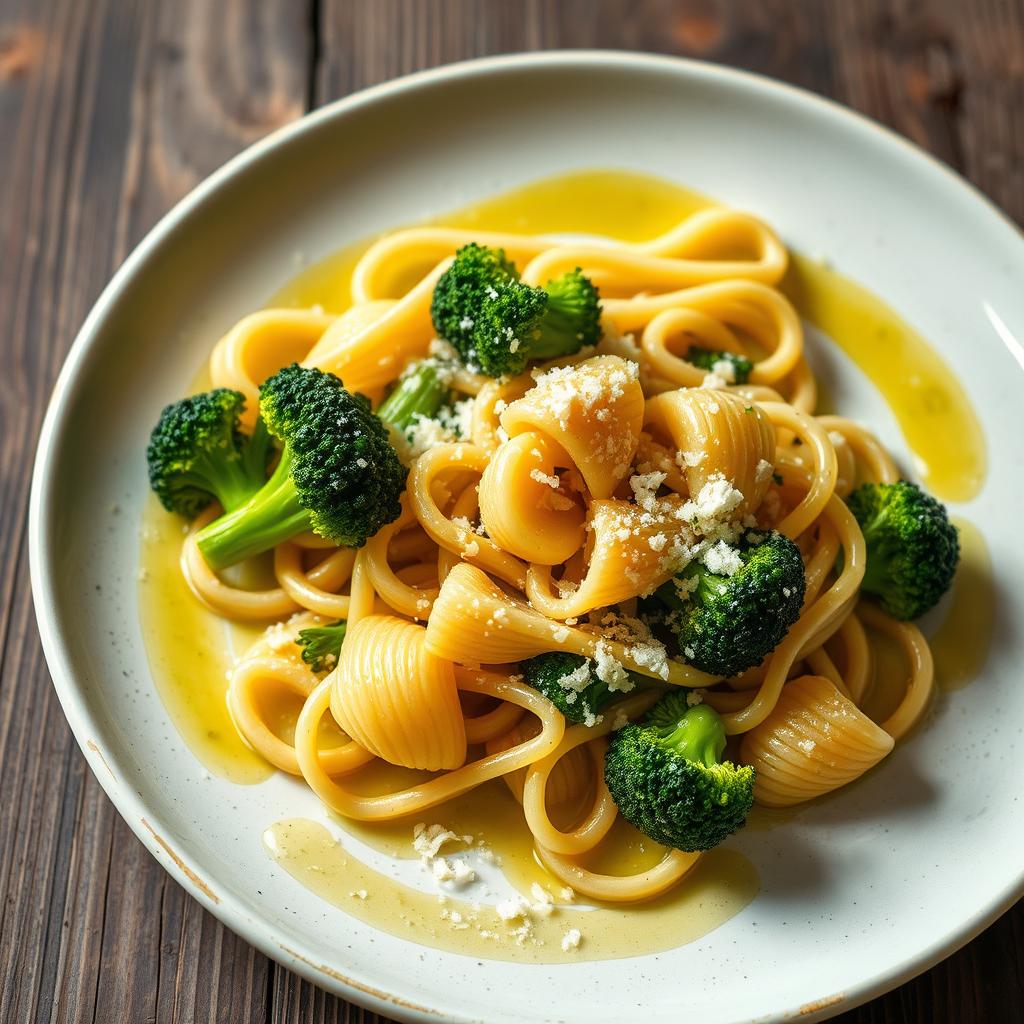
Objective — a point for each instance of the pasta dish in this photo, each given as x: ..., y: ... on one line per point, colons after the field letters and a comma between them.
x: 560, y: 512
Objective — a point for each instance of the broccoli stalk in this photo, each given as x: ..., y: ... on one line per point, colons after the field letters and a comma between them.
x: 498, y: 324
x: 569, y: 682
x: 727, y: 624
x: 339, y: 474
x: 709, y: 358
x: 321, y: 645
x: 912, y: 547
x: 422, y: 391
x: 667, y: 778
x: 197, y: 453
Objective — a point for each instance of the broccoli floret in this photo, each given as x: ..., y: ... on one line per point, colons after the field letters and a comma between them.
x: 321, y: 645
x: 912, y: 547
x: 667, y: 778
x: 582, y: 695
x: 197, y: 453
x: 573, y: 317
x: 498, y: 324
x: 726, y: 624
x: 707, y: 358
x: 422, y: 391
x: 338, y: 475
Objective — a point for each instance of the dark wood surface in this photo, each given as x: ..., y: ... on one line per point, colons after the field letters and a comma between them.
x: 110, y: 110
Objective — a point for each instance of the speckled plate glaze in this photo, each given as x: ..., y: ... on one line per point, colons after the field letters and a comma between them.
x: 858, y: 894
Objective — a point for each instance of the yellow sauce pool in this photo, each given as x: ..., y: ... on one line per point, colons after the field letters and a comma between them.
x: 721, y: 884
x: 191, y: 650
x: 960, y: 645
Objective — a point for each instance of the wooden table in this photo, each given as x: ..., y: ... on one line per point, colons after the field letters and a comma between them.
x: 110, y: 111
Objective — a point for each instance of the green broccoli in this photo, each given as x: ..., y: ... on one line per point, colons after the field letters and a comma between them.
x: 197, y: 453
x: 498, y: 324
x: 422, y: 391
x: 912, y: 547
x: 321, y: 645
x: 726, y: 624
x: 667, y: 778
x: 708, y: 358
x: 338, y: 475
x: 568, y: 681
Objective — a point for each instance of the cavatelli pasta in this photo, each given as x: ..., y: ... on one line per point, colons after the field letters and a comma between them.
x: 593, y: 410
x: 814, y: 741
x: 397, y: 699
x: 718, y: 436
x: 525, y: 506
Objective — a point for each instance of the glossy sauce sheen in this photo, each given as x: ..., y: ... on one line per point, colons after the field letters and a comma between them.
x: 191, y: 650
x: 719, y: 886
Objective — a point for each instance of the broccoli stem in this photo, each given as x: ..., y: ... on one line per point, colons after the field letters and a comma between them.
x: 698, y: 735
x: 272, y: 515
x: 230, y: 479
x: 321, y: 645
x: 419, y: 393
x: 233, y: 479
x: 256, y: 453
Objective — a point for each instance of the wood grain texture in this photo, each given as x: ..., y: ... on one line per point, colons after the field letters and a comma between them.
x: 110, y: 110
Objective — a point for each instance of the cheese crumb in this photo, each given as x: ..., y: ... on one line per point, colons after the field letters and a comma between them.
x: 609, y: 670
x: 724, y: 369
x: 515, y: 908
x: 542, y: 478
x: 722, y: 560
x: 540, y: 894
x: 710, y: 512
x: 441, y: 870
x: 543, y: 902
x: 463, y: 873
x: 571, y: 940
x: 576, y: 681
x: 427, y: 840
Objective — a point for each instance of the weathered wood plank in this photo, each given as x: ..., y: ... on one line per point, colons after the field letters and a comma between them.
x: 110, y: 111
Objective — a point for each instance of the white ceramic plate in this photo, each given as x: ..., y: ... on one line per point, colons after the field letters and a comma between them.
x: 857, y: 895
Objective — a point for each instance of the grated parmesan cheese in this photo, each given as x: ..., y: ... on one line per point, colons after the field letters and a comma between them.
x: 725, y: 369
x: 645, y: 487
x: 609, y: 670
x: 722, y: 560
x: 542, y: 478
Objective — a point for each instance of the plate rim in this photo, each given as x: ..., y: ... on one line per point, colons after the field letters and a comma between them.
x: 148, y: 826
